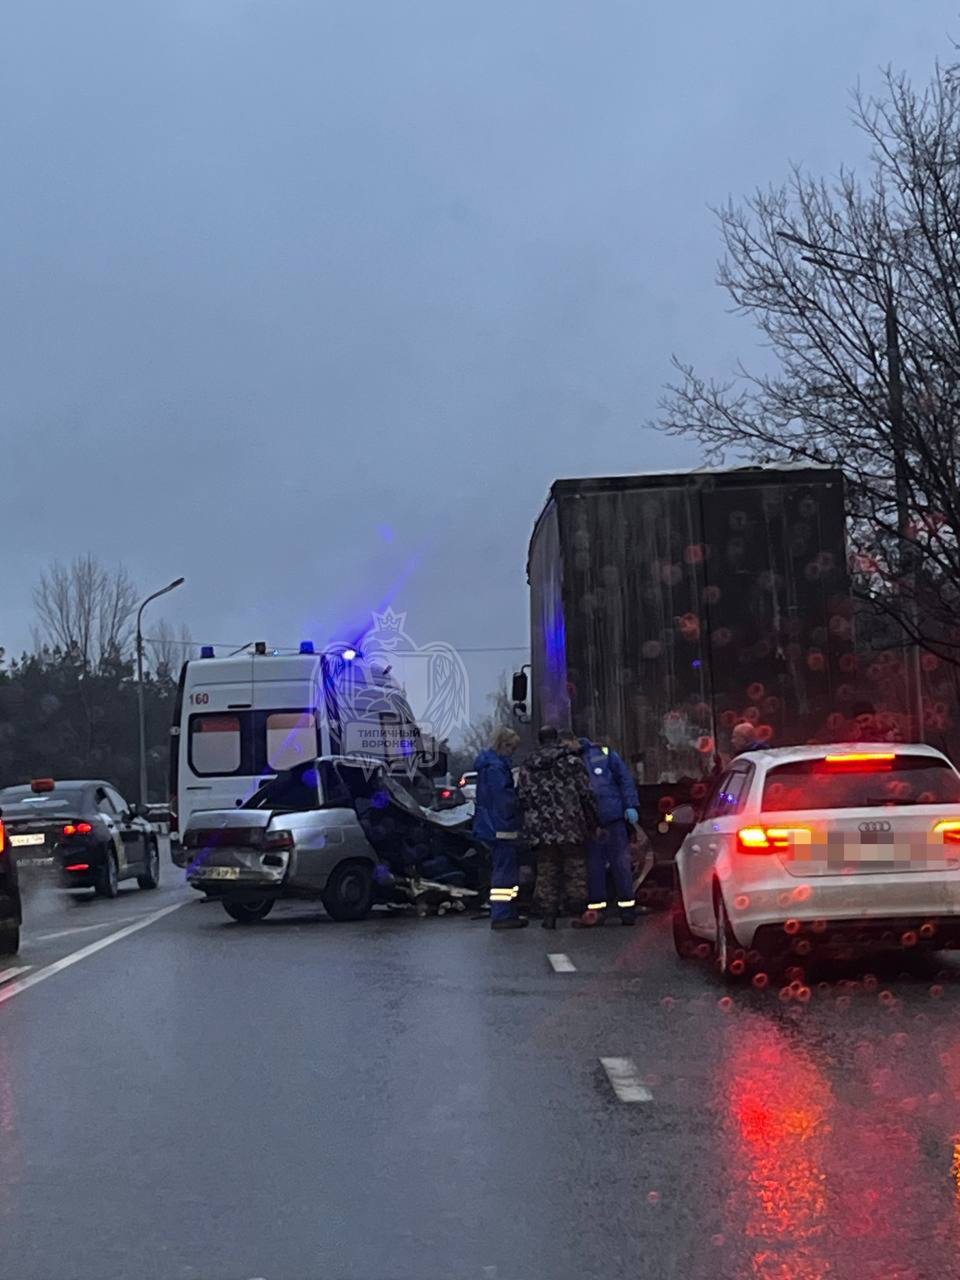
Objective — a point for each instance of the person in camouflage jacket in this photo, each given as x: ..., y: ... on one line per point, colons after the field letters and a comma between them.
x: 559, y: 814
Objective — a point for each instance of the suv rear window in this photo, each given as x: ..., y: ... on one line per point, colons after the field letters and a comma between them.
x: 816, y: 784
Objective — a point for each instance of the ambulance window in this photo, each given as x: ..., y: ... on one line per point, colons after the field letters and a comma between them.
x: 215, y: 744
x: 291, y: 738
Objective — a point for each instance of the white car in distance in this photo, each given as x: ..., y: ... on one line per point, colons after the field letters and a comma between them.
x: 832, y: 848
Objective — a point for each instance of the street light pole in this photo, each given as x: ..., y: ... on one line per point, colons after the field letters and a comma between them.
x: 906, y: 558
x: 140, y: 712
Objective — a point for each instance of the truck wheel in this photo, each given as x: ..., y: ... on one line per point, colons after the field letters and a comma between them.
x: 349, y: 891
x: 248, y: 912
x: 9, y: 939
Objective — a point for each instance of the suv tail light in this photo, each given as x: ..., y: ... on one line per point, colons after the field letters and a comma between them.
x: 77, y: 829
x: 949, y: 828
x: 768, y: 839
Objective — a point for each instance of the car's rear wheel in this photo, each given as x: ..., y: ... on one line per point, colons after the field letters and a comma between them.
x: 729, y: 957
x: 249, y: 912
x: 9, y: 939
x: 151, y: 877
x: 349, y: 891
x: 108, y: 880
x: 685, y: 940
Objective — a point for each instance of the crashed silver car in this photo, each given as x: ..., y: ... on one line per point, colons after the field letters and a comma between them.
x: 341, y: 830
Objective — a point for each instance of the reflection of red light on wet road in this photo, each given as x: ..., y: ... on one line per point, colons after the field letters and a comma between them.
x: 840, y: 1160
x: 778, y: 1103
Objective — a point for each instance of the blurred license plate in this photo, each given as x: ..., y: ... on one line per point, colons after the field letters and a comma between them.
x: 18, y: 842
x: 35, y: 862
x: 221, y: 873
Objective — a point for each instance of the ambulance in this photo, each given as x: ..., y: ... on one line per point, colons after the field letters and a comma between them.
x: 239, y: 720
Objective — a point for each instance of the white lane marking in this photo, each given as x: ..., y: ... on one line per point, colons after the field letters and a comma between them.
x: 83, y: 928
x: 562, y: 963
x: 7, y: 975
x: 625, y: 1079
x: 24, y: 984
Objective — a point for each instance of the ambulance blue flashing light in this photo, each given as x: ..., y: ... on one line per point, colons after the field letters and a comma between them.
x: 206, y: 651
x: 306, y: 646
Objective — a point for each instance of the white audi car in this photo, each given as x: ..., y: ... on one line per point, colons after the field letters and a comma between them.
x: 826, y: 847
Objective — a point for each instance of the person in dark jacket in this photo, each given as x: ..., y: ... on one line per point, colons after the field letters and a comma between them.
x: 496, y: 822
x: 616, y: 794
x: 559, y: 817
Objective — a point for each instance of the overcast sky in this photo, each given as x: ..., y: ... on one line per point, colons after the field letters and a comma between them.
x: 310, y: 300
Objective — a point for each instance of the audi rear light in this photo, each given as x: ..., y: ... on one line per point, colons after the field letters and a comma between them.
x: 78, y: 866
x: 769, y: 839
x: 949, y: 828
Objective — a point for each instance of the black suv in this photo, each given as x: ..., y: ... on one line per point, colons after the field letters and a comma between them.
x: 10, y: 913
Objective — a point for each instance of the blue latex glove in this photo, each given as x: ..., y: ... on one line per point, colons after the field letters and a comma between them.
x: 632, y: 816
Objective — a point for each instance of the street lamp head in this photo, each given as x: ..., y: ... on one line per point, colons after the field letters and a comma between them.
x: 177, y: 582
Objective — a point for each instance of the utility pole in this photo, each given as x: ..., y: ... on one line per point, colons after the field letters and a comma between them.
x: 140, y: 711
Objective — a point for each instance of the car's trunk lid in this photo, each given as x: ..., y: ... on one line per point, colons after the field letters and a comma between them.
x: 866, y: 841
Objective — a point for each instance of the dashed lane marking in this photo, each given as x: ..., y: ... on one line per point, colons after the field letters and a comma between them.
x: 562, y: 963
x: 625, y: 1080
x: 84, y: 928
x: 24, y: 984
x: 7, y: 975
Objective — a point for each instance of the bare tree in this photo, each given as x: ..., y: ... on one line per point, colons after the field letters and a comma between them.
x: 855, y: 287
x: 479, y: 734
x: 86, y: 610
x: 167, y: 649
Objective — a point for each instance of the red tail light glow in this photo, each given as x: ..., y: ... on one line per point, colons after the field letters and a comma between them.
x: 77, y: 829
x: 949, y: 828
x: 279, y: 839
x: 3, y: 838
x: 768, y: 839
x: 78, y: 866
x: 445, y: 794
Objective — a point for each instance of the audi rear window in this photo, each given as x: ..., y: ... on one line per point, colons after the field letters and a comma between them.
x: 818, y: 784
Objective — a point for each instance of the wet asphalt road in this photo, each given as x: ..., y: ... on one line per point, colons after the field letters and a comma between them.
x: 404, y: 1100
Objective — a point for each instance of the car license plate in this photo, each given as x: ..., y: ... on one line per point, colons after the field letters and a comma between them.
x: 36, y: 837
x: 220, y: 873
x: 35, y: 862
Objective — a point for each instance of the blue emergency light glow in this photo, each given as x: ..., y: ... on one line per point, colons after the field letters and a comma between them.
x: 306, y: 646
x: 206, y: 651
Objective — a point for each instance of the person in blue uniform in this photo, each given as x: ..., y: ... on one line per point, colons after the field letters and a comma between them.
x: 616, y: 794
x: 496, y: 822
